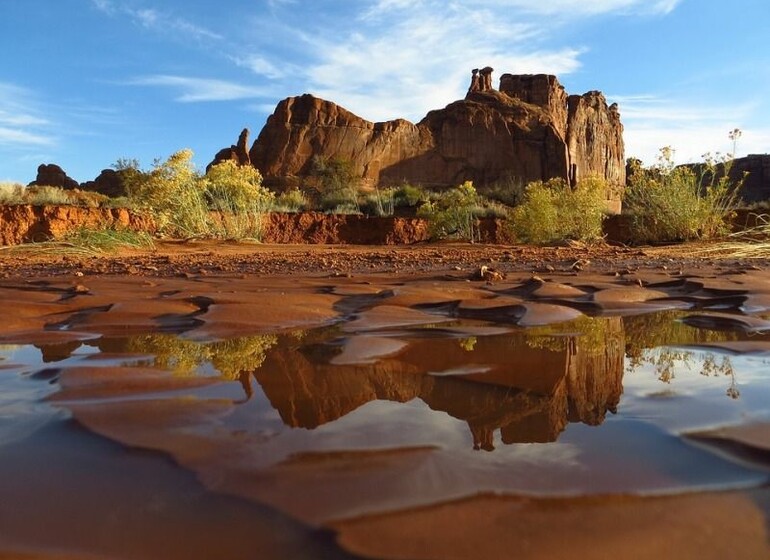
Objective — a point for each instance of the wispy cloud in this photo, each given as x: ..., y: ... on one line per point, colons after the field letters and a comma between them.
x: 21, y: 122
x: 401, y: 59
x: 566, y: 8
x: 261, y: 66
x: 201, y: 89
x: 155, y: 20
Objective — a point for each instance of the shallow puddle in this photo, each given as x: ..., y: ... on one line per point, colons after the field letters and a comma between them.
x: 288, y: 434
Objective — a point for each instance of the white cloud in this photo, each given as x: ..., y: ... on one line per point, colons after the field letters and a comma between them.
x: 15, y: 136
x: 201, y: 89
x: 263, y: 67
x: 651, y: 123
x: 21, y: 123
x: 419, y: 57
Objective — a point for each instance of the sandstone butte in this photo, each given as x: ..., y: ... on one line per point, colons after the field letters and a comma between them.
x: 527, y: 130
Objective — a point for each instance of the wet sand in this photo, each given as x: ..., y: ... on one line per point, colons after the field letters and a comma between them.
x: 390, y: 312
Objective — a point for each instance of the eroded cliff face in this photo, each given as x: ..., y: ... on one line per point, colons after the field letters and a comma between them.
x: 528, y: 130
x: 306, y: 126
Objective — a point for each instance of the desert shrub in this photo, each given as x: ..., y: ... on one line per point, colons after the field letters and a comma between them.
x: 181, y: 201
x: 452, y: 213
x: 554, y: 211
x: 669, y: 203
x: 340, y: 202
x: 43, y: 195
x: 171, y: 193
x: 293, y: 200
x: 336, y: 181
x: 11, y: 193
x: 236, y: 193
x: 344, y: 208
x: 508, y: 190
x: 379, y: 202
x: 408, y: 196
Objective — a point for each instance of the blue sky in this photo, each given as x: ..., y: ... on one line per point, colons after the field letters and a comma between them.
x: 85, y: 82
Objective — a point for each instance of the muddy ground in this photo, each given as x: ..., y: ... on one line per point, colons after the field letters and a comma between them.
x: 169, y: 259
x: 213, y: 291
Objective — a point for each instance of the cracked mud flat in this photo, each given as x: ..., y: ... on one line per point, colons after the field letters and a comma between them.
x: 335, y: 402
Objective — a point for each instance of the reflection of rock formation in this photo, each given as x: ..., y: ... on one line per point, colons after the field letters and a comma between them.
x: 529, y: 394
x: 591, y: 392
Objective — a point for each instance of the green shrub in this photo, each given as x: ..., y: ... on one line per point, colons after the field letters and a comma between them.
x: 553, y: 211
x: 181, y: 201
x: 508, y: 190
x: 408, y: 196
x: 337, y: 182
x: 452, y: 213
x: 293, y: 200
x: 669, y: 203
x: 332, y: 200
x: 380, y: 202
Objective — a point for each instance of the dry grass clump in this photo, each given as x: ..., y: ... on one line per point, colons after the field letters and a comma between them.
x: 86, y: 242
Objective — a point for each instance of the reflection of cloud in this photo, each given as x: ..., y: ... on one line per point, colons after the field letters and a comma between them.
x: 201, y: 89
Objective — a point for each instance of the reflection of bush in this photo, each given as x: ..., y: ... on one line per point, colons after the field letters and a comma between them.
x: 594, y: 334
x: 644, y: 332
x: 184, y: 357
x: 650, y: 338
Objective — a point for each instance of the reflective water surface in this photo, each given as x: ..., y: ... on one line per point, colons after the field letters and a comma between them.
x: 298, y: 429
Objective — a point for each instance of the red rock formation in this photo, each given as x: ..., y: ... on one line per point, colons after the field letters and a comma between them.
x: 54, y: 176
x: 109, y: 182
x: 529, y: 130
x: 238, y: 152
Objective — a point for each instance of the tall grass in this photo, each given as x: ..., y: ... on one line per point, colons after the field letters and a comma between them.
x: 87, y: 241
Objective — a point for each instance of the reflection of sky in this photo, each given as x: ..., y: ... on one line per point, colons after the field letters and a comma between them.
x: 620, y: 456
x: 636, y: 451
x: 692, y: 401
x: 21, y: 413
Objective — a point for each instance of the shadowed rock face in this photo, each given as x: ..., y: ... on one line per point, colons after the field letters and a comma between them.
x: 529, y: 130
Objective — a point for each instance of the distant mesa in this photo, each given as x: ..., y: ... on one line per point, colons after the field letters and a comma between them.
x: 529, y: 129
x: 109, y: 182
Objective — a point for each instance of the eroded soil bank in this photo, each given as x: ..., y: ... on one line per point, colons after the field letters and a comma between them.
x: 395, y: 397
